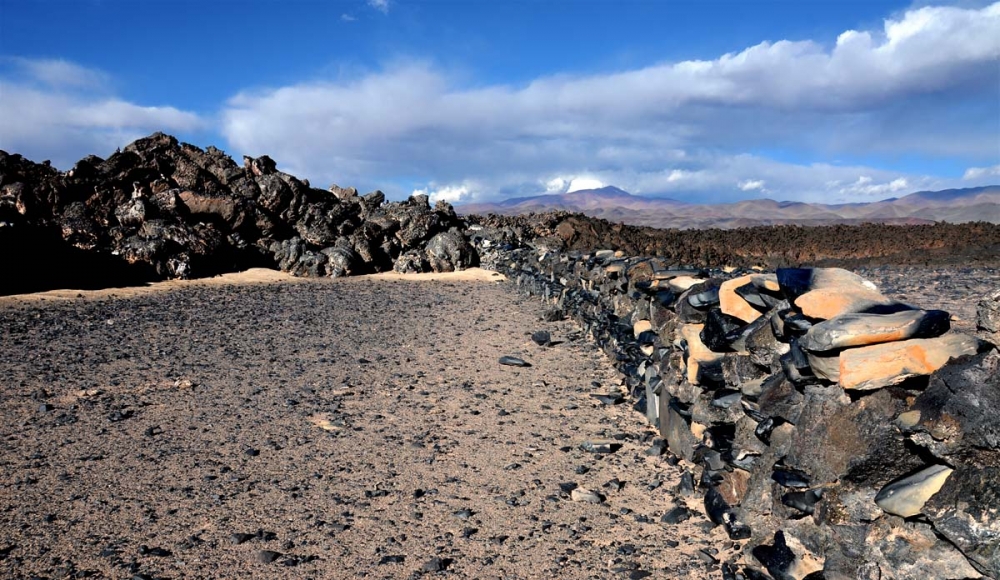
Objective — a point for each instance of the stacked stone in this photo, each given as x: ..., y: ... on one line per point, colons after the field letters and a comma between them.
x: 839, y: 433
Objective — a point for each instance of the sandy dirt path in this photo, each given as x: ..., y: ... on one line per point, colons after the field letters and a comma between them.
x: 358, y: 428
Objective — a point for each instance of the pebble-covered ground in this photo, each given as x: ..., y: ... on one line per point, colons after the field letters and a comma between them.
x: 325, y: 429
x: 339, y: 429
x: 955, y: 290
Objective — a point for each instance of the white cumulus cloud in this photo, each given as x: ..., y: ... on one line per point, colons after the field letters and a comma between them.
x: 671, y: 127
x: 981, y: 172
x: 867, y: 187
x: 581, y: 183
x: 751, y: 185
x: 57, y: 110
x: 450, y: 193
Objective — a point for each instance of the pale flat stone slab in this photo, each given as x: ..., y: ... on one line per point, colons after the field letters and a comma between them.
x: 881, y: 365
x: 857, y: 329
x: 733, y: 304
x: 698, y: 353
x: 907, y: 496
x: 826, y: 367
x: 832, y: 301
x: 682, y: 283
x: 641, y: 326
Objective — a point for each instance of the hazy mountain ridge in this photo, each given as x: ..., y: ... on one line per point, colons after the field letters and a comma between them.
x: 617, y: 205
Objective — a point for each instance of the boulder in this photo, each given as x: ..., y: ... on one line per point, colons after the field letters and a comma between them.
x: 794, y: 282
x: 411, y: 262
x: 830, y: 302
x: 824, y: 293
x: 720, y: 330
x: 911, y: 550
x: 956, y: 416
x: 856, y: 443
x: 881, y: 365
x: 787, y: 558
x: 450, y: 251
x: 675, y: 429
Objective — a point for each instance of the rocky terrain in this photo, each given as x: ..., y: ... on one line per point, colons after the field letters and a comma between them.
x: 159, y: 209
x: 836, y: 431
x: 850, y: 246
x: 724, y: 409
x: 325, y: 429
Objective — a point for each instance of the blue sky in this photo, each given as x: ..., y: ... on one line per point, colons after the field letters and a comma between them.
x: 702, y: 101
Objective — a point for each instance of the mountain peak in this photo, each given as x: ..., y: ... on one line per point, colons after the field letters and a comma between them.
x: 606, y: 190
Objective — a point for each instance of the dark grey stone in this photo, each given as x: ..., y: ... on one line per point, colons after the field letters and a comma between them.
x: 513, y: 361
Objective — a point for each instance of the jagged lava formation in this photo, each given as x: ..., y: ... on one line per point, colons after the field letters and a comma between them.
x: 161, y: 209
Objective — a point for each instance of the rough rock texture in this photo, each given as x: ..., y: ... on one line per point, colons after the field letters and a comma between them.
x: 957, y: 245
x: 863, y: 329
x: 988, y: 317
x: 880, y: 365
x: 778, y: 442
x: 161, y: 209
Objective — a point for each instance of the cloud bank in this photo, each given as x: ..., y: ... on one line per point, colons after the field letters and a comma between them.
x: 690, y: 128
x: 788, y: 119
x: 61, y: 111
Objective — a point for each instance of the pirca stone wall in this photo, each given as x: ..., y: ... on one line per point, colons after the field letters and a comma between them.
x: 838, y: 433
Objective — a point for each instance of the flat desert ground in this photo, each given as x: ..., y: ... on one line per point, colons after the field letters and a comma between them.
x: 256, y: 426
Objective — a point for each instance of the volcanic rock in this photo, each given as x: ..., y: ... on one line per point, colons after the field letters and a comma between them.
x: 173, y: 210
x: 964, y: 511
x: 854, y: 329
x: 787, y: 558
x: 701, y: 360
x: 450, y: 251
x: 907, y: 496
x: 586, y: 496
x: 988, y: 318
x: 732, y: 304
x: 956, y: 415
x: 513, y: 361
x: 881, y: 365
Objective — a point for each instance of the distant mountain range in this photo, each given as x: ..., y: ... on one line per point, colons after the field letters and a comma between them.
x: 616, y: 205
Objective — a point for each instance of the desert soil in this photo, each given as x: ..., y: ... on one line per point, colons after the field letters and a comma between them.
x: 356, y: 428
x: 253, y: 426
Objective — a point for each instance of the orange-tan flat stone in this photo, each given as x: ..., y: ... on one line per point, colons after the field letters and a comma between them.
x: 767, y: 282
x: 856, y: 329
x: 882, y: 365
x: 832, y: 301
x: 733, y: 304
x: 698, y: 353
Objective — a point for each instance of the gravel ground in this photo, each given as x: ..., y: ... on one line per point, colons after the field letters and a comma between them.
x: 353, y: 428
x: 955, y: 290
x: 343, y: 429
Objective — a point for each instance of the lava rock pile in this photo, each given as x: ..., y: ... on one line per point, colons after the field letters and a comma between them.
x: 838, y: 433
x: 161, y: 209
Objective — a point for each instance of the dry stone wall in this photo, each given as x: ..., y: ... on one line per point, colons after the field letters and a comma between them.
x: 837, y: 433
